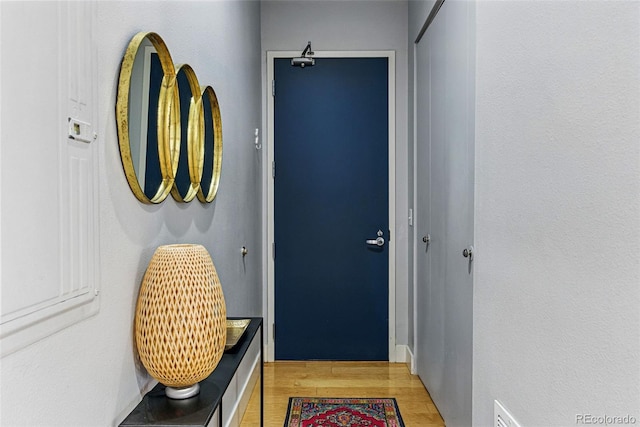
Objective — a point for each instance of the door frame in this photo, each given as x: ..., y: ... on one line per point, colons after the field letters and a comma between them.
x: 267, y: 170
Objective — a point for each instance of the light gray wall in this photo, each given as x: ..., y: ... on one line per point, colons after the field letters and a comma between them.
x: 557, y: 217
x: 355, y: 25
x: 418, y: 11
x: 87, y: 374
x: 556, y: 296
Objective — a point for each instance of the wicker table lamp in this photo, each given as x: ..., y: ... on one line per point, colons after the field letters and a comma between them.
x: 180, y: 322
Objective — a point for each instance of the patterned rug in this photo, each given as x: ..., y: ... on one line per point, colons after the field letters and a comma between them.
x: 328, y: 412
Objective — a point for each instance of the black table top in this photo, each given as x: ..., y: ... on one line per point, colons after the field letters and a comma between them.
x: 156, y: 409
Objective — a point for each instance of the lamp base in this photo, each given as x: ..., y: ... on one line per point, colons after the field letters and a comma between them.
x: 182, y: 392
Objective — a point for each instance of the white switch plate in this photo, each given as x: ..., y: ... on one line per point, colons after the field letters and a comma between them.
x: 79, y: 130
x: 256, y: 141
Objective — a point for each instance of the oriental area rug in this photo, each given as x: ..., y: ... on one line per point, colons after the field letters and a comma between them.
x: 333, y: 412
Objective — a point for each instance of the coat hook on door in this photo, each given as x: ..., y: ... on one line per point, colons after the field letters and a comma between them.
x: 468, y: 253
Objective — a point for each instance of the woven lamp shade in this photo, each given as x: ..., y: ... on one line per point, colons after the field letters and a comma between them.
x: 180, y: 322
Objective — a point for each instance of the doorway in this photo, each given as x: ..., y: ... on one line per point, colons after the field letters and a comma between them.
x: 331, y: 147
x: 444, y: 177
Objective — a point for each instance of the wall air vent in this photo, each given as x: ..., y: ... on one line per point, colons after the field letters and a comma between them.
x: 502, y: 417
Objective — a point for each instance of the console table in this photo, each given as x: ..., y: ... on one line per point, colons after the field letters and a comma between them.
x: 205, y: 409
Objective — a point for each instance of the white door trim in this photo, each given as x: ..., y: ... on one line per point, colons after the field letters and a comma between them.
x: 416, y: 232
x: 269, y: 238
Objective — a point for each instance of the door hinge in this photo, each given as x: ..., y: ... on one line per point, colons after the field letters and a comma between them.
x: 273, y: 169
x: 389, y: 235
x: 273, y: 88
x: 273, y: 331
x: 273, y: 250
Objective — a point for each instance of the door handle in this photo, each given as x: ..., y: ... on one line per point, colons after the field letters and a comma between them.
x: 378, y: 242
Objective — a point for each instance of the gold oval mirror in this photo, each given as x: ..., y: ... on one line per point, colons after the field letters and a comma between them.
x: 212, y: 158
x: 148, y: 125
x: 187, y: 182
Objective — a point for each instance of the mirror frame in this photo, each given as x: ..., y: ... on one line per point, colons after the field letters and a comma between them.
x: 168, y: 118
x: 217, y: 147
x: 195, y: 136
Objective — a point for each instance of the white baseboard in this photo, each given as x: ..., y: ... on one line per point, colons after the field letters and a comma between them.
x: 411, y: 362
x: 404, y: 355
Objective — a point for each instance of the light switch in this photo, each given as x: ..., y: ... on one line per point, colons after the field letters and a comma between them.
x: 79, y: 130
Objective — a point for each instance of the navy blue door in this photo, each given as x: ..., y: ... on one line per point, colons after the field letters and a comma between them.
x: 330, y: 197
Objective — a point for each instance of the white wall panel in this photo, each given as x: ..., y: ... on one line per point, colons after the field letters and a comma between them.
x: 556, y: 324
x: 88, y: 374
x: 62, y: 237
x: 556, y: 295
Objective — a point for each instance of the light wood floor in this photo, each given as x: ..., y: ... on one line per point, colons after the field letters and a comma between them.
x: 341, y: 379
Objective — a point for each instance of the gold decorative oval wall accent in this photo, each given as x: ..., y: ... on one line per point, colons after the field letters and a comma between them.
x: 169, y: 127
x: 212, y: 156
x: 187, y: 182
x: 133, y: 120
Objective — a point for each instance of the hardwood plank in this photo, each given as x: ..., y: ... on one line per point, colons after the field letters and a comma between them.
x: 341, y: 379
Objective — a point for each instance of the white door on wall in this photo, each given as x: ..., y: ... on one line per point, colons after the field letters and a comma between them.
x: 444, y: 82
